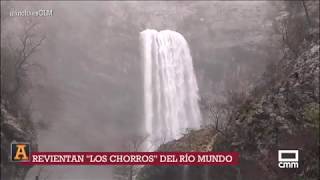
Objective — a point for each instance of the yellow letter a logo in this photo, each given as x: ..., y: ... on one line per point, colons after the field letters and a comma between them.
x: 21, y: 152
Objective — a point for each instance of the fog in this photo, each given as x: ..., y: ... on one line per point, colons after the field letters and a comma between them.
x: 87, y: 94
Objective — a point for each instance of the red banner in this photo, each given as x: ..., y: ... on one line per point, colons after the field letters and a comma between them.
x: 133, y: 158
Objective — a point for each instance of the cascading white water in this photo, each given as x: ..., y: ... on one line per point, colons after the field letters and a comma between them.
x: 170, y: 86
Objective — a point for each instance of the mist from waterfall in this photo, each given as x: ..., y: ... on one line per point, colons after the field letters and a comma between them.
x: 170, y: 86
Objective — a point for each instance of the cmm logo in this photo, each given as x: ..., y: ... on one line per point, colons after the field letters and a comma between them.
x: 288, y: 158
x: 20, y: 152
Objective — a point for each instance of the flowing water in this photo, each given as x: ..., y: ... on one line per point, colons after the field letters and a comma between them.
x: 170, y: 86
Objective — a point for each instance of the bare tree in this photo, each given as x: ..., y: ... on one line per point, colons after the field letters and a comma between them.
x: 30, y: 43
x: 306, y: 12
x: 133, y: 143
x: 294, y: 24
x: 215, y: 115
x: 218, y: 113
x: 16, y: 62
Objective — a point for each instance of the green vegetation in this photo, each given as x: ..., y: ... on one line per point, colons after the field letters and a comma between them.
x: 312, y: 114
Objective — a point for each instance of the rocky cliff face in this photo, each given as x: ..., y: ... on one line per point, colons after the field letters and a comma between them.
x: 19, y: 130
x: 284, y: 114
x: 194, y: 140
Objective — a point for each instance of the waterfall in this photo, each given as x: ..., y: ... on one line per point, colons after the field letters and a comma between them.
x: 170, y: 86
